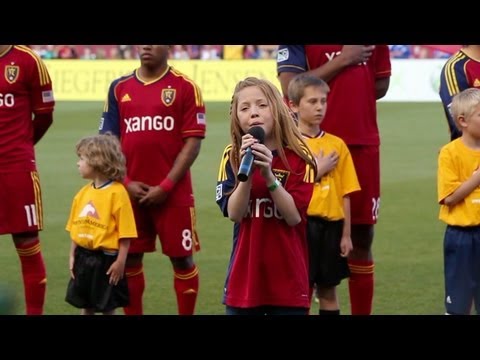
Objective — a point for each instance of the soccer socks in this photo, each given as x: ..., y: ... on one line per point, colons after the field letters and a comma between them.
x: 136, y: 287
x: 34, y: 276
x: 361, y: 285
x: 186, y: 287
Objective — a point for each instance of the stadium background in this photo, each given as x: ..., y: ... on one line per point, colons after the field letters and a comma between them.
x: 408, y: 243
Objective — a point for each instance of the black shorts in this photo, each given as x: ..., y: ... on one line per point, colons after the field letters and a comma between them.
x: 91, y: 288
x: 327, y: 267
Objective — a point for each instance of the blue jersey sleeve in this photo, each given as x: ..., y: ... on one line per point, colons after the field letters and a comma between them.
x: 453, y: 80
x: 110, y: 121
x: 291, y: 58
x: 225, y: 181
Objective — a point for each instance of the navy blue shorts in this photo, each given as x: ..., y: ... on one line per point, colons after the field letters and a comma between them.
x: 462, y: 269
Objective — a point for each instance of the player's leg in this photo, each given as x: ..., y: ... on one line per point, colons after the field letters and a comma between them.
x: 178, y: 236
x: 33, y: 271
x: 134, y: 264
x: 186, y: 283
x: 136, y: 283
x: 458, y: 257
x: 327, y: 297
x: 21, y: 209
x: 364, y: 213
x: 362, y: 281
x: 333, y: 267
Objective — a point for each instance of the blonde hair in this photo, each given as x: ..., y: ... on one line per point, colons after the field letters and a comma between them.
x: 285, y: 132
x: 297, y: 86
x: 464, y: 103
x: 104, y: 155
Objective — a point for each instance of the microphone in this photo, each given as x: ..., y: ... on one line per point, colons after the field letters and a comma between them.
x: 246, y: 164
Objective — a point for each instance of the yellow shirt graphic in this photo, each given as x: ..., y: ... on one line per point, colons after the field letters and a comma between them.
x: 100, y: 217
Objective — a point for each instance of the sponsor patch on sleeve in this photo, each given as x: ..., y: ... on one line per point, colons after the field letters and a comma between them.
x: 47, y: 96
x: 201, y: 119
x: 282, y: 55
x: 218, y: 192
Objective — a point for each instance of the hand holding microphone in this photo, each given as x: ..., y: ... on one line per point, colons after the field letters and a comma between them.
x: 246, y: 164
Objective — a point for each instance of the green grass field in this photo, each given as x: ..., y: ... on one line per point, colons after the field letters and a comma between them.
x: 408, y: 241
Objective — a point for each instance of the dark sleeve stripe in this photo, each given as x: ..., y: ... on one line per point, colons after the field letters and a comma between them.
x: 450, y: 76
x: 222, y: 170
x: 290, y: 68
x: 105, y: 105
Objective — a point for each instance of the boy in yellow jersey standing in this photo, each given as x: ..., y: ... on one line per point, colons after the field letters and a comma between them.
x: 328, y: 214
x: 459, y: 199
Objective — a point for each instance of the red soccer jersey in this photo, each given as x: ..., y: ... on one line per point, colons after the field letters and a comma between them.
x: 25, y: 89
x: 152, y: 120
x: 269, y: 264
x: 351, y: 113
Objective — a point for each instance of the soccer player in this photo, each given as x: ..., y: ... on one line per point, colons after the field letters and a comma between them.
x: 159, y: 115
x: 268, y: 271
x: 357, y: 75
x: 101, y: 224
x: 328, y: 220
x: 460, y: 72
x: 25, y: 92
x: 458, y: 196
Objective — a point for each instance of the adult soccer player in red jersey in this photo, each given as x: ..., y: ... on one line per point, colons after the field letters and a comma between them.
x: 159, y: 115
x: 25, y: 93
x: 358, y: 75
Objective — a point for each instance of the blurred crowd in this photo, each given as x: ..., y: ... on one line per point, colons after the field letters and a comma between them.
x: 205, y: 52
x: 201, y: 52
x: 416, y: 52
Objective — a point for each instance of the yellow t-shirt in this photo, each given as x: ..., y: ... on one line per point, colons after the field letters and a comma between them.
x: 100, y: 217
x: 456, y: 164
x: 327, y: 198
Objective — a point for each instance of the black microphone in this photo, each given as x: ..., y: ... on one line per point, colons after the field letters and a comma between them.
x: 247, y: 161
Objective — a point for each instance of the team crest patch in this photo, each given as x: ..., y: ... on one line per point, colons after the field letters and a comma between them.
x: 281, y: 175
x: 168, y: 96
x: 11, y: 73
